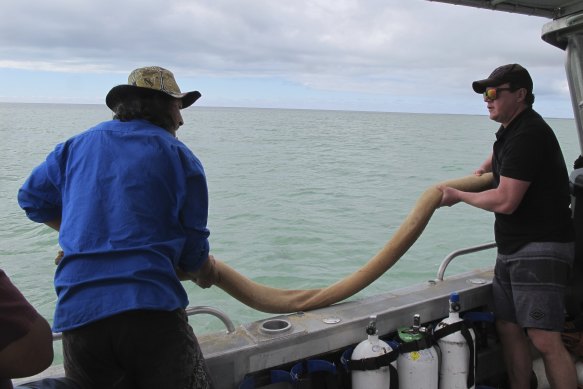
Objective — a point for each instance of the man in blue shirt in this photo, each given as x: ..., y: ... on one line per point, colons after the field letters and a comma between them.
x: 130, y: 202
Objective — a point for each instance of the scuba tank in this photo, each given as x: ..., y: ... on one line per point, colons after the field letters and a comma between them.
x: 457, y: 343
x: 370, y: 362
x: 418, y: 361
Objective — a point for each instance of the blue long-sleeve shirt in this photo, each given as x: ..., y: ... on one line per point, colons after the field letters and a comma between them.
x: 133, y: 203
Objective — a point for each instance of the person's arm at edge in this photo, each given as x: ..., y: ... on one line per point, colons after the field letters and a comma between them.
x: 30, y: 354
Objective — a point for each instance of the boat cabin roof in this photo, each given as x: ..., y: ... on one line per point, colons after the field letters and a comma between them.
x: 545, y: 8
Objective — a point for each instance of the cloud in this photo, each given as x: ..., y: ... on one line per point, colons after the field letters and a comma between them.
x: 370, y: 47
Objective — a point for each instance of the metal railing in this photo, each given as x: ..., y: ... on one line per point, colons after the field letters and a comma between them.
x: 215, y: 312
x: 190, y: 311
x: 469, y: 250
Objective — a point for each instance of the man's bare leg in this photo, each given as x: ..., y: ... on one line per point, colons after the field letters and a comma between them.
x: 559, y: 365
x: 516, y: 348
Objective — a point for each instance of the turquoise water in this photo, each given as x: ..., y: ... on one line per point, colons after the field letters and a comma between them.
x: 298, y: 198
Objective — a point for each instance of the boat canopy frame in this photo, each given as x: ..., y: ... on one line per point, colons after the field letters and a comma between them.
x: 553, y: 9
x: 567, y: 34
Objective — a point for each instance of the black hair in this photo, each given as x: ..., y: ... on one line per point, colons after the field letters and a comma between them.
x: 154, y: 108
x: 529, y: 99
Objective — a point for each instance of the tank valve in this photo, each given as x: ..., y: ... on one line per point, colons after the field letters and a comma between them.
x: 371, y: 329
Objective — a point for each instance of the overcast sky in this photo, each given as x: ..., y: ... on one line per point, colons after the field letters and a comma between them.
x: 373, y: 55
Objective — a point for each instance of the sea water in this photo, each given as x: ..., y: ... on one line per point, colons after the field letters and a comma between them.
x: 299, y: 199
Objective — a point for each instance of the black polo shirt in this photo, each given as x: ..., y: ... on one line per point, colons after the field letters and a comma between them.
x: 528, y: 150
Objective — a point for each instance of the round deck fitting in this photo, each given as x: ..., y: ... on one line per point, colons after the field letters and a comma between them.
x: 275, y: 326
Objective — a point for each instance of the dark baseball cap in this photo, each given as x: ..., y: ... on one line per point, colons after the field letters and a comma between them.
x: 513, y: 73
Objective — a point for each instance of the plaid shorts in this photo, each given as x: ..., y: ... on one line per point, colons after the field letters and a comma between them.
x: 136, y: 349
x: 529, y: 285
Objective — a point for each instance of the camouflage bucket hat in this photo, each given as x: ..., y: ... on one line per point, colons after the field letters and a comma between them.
x: 146, y: 81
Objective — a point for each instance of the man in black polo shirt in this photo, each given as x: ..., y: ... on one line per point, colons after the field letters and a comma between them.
x: 533, y: 228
